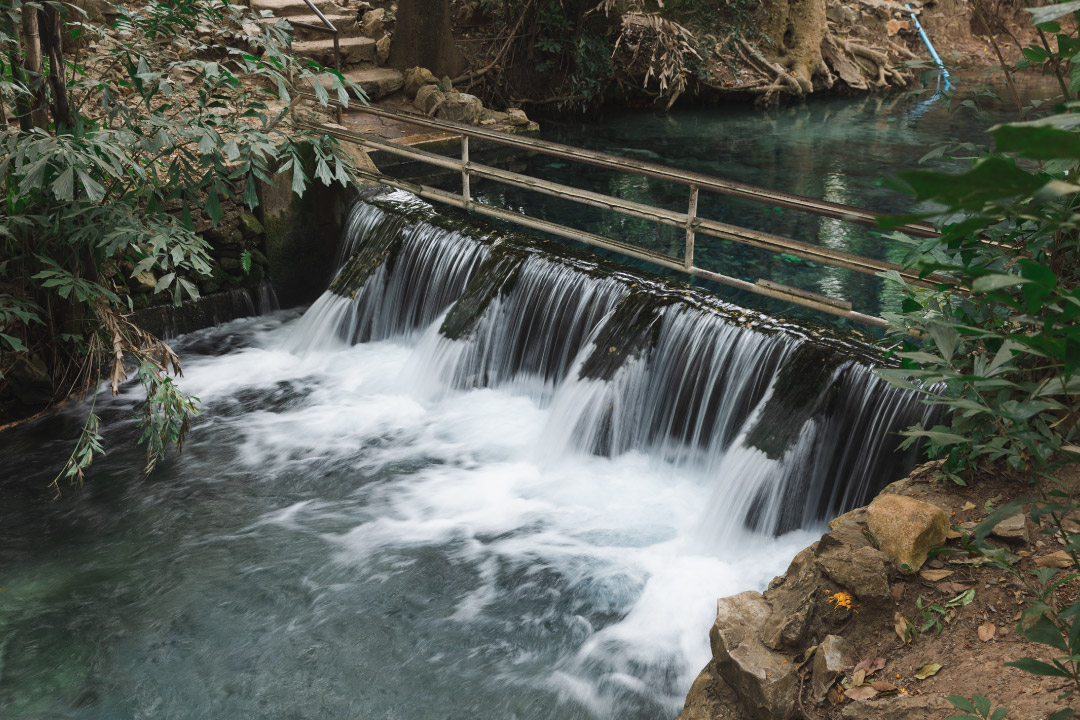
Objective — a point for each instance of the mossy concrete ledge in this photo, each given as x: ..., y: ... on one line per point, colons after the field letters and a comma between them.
x: 302, y: 235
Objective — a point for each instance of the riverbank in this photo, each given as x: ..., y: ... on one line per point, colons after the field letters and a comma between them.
x: 842, y: 633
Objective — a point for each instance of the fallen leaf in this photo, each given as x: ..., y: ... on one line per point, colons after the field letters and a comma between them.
x: 986, y: 631
x: 928, y: 670
x: 858, y: 677
x: 952, y: 588
x: 935, y: 575
x: 968, y: 506
x: 900, y: 625
x: 1059, y: 559
x: 862, y: 692
x: 897, y: 591
x: 953, y: 534
x: 884, y: 687
x: 870, y: 665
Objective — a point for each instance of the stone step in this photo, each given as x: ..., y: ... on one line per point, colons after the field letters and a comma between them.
x: 376, y: 82
x: 354, y: 50
x: 346, y: 25
x: 290, y: 8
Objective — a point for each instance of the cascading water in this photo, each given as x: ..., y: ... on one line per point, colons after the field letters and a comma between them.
x: 793, y: 429
x: 473, y: 480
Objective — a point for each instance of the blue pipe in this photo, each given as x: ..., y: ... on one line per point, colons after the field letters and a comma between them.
x: 929, y: 46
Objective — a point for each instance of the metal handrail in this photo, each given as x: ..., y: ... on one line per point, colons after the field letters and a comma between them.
x: 839, y: 211
x: 688, y: 220
x: 327, y: 27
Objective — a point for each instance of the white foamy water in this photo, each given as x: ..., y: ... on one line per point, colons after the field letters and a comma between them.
x: 585, y: 584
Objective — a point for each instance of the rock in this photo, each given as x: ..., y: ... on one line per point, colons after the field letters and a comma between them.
x: 793, y: 599
x: 460, y: 107
x: 710, y: 698
x: 842, y: 14
x: 763, y: 680
x: 428, y: 99
x: 144, y: 282
x: 833, y: 656
x: 1014, y: 528
x: 862, y: 572
x: 516, y: 116
x: 858, y: 515
x: 371, y: 23
x: 382, y: 50
x: 906, y: 529
x: 445, y: 85
x: 251, y: 223
x: 416, y: 78
x: 898, y: 707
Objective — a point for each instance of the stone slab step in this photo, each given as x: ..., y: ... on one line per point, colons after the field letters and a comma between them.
x: 288, y: 8
x: 376, y: 82
x: 346, y: 25
x: 354, y: 50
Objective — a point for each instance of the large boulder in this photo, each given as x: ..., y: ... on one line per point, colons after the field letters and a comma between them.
x: 863, y: 572
x: 763, y: 680
x: 710, y: 698
x: 416, y: 78
x: 906, y: 529
x: 460, y: 107
x: 833, y: 656
x: 793, y: 599
x: 428, y: 99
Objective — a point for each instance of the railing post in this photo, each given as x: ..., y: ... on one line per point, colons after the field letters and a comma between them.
x: 337, y: 64
x: 465, y: 191
x: 691, y: 215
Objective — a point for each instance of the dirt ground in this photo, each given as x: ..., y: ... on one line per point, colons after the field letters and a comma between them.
x: 975, y: 640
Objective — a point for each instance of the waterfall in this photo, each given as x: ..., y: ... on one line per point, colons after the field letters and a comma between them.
x: 788, y: 426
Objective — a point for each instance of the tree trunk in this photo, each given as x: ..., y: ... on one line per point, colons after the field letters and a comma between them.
x: 423, y: 38
x: 31, y: 40
x: 52, y: 43
x: 794, y: 30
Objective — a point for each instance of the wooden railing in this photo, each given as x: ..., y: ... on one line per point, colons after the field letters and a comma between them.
x: 689, y: 221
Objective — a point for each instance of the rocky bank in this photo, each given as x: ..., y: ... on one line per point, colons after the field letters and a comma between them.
x: 839, y: 634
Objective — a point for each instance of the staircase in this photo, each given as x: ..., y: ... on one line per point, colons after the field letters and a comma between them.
x: 359, y: 53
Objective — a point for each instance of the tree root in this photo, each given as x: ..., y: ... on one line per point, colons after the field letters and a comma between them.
x: 783, y: 77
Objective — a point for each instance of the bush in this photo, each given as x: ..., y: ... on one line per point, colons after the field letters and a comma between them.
x: 154, y: 119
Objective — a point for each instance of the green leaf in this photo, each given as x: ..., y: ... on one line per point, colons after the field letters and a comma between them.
x: 962, y: 702
x: 1044, y: 631
x: 982, y: 703
x: 993, y: 179
x: 93, y: 188
x: 989, y: 283
x: 1036, y: 667
x: 14, y: 343
x: 1037, y: 142
x: 63, y: 187
x: 1052, y: 12
x: 164, y: 281
x: 999, y: 714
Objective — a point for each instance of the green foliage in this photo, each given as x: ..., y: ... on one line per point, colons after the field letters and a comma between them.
x: 1000, y: 349
x: 168, y: 119
x: 978, y: 708
x: 934, y: 614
